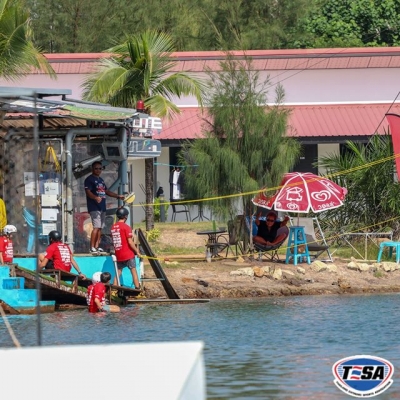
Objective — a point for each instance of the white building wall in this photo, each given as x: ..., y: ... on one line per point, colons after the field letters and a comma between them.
x: 371, y: 85
x: 63, y: 81
x: 137, y: 168
x: 301, y: 87
x: 327, y: 150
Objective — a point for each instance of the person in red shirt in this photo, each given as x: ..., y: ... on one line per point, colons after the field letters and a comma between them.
x: 6, y: 245
x: 124, y: 246
x: 96, y: 294
x: 58, y: 255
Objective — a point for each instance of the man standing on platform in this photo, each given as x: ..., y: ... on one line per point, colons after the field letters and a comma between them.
x: 96, y: 191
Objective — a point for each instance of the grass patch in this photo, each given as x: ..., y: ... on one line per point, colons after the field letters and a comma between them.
x: 174, y: 250
x: 182, y: 226
x: 379, y: 274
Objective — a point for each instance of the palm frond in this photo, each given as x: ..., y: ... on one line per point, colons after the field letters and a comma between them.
x: 161, y: 106
x: 17, y: 53
x: 140, y: 68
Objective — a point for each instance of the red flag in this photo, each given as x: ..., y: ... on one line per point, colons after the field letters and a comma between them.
x: 394, y: 125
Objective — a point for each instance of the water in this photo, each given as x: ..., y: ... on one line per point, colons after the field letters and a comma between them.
x: 277, y: 348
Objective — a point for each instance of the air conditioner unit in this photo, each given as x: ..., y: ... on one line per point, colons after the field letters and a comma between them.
x: 114, y: 151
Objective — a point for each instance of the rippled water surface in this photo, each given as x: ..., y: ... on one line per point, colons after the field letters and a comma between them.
x: 254, y: 349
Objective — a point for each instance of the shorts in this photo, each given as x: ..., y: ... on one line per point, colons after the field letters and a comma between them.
x: 128, y: 263
x: 98, y: 219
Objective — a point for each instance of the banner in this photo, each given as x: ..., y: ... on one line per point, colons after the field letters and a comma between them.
x: 394, y: 125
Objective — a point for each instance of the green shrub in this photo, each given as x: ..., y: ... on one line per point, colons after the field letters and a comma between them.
x: 157, y: 210
x: 379, y: 274
x: 153, y: 235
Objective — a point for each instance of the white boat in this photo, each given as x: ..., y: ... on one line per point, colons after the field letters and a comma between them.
x: 151, y: 371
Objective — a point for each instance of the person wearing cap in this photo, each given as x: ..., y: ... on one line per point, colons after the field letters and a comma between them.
x: 96, y: 192
x: 270, y: 231
x: 96, y: 293
x: 6, y: 245
x: 124, y: 246
x: 58, y: 255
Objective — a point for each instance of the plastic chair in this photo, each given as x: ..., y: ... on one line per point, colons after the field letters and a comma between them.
x: 391, y: 245
x: 235, y: 236
x: 271, y: 252
x: 297, y: 238
x: 316, y: 247
x: 185, y: 210
x: 30, y: 221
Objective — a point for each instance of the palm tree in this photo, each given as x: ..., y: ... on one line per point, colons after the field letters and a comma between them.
x: 139, y: 69
x: 373, y: 193
x: 17, y: 53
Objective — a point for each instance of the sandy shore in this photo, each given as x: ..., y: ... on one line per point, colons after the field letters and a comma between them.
x: 199, y: 279
x: 230, y: 279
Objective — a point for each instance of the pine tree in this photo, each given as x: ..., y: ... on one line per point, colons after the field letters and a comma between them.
x: 246, y: 147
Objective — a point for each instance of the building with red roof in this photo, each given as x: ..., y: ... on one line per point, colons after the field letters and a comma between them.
x: 334, y: 95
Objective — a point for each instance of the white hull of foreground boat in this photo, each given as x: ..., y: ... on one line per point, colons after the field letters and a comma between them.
x: 168, y: 371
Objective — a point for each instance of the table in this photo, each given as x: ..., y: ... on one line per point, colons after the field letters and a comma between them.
x: 212, y: 243
x: 200, y: 214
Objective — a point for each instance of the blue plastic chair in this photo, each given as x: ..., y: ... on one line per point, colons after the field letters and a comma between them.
x: 30, y: 220
x: 391, y: 245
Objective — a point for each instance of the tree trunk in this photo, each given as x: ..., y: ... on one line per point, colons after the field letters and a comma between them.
x: 149, y: 183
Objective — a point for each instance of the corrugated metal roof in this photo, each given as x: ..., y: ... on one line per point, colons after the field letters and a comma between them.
x: 15, y: 103
x: 333, y: 120
x: 291, y: 59
x: 19, y: 105
x: 25, y: 121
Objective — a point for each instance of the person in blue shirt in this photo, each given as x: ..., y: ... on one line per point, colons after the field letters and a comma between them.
x: 96, y: 192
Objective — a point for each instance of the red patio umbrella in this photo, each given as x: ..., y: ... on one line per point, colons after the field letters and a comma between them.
x: 302, y: 192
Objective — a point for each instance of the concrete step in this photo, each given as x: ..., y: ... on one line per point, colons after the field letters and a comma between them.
x: 4, y: 271
x: 15, y: 296
x: 24, y: 300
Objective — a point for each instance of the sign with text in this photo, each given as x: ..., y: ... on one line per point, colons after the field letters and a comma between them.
x: 146, y: 127
x: 143, y: 148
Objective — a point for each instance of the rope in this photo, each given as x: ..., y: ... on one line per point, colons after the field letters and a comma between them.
x: 10, y: 330
x: 51, y: 159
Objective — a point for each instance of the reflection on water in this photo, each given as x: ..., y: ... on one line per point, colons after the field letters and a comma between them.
x: 254, y: 348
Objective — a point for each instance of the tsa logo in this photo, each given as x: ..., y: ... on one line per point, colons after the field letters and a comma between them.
x: 363, y: 376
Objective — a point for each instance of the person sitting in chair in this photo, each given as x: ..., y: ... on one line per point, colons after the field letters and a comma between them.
x: 270, y: 232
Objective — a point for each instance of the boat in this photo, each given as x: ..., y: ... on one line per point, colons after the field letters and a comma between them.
x: 70, y: 289
x: 66, y: 288
x: 161, y: 370
x: 17, y: 299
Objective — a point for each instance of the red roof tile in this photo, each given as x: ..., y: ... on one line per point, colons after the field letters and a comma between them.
x: 305, y: 121
x: 198, y: 61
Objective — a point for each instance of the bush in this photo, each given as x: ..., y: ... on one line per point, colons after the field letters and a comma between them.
x: 157, y: 210
x: 153, y: 235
